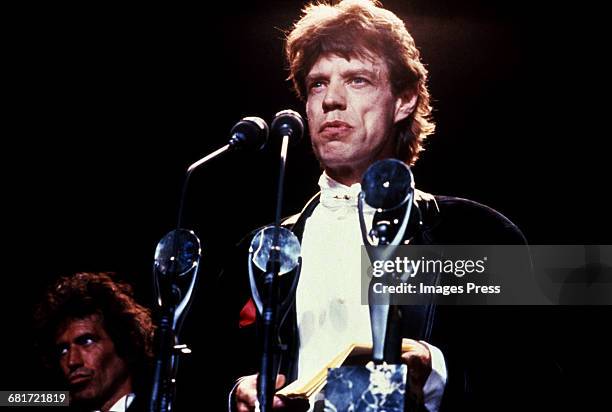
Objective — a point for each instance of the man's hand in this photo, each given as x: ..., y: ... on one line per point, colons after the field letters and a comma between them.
x: 417, y: 357
x: 246, y: 394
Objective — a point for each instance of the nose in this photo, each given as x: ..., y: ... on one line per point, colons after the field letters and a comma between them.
x: 335, y: 98
x: 74, y: 358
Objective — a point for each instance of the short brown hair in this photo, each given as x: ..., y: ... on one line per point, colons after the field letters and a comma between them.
x: 355, y: 28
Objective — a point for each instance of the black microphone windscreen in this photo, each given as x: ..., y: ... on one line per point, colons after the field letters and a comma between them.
x: 288, y: 123
x: 249, y: 133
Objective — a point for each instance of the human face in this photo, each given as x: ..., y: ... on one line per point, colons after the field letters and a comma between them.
x: 351, y: 114
x: 95, y: 373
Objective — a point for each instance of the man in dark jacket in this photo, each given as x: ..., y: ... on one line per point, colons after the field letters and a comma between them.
x: 358, y: 70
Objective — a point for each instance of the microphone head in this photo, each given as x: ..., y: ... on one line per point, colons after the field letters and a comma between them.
x: 288, y: 123
x: 387, y: 184
x: 249, y: 133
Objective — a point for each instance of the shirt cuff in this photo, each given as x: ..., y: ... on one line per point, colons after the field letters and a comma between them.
x: 231, y: 399
x: 436, y: 382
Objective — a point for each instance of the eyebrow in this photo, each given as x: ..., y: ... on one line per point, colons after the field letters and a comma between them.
x: 345, y: 74
x: 360, y: 72
x: 78, y: 339
x: 82, y: 338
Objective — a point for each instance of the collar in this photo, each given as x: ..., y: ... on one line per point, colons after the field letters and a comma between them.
x: 335, y: 195
x: 425, y: 203
x: 122, y: 404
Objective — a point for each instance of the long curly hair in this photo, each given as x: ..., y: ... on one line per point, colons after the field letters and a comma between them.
x: 127, y: 323
x: 359, y: 28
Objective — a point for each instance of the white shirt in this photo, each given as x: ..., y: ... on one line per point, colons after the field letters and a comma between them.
x: 122, y: 404
x: 330, y: 314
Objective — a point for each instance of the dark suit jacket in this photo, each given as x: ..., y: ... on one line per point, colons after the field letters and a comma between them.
x: 493, y: 356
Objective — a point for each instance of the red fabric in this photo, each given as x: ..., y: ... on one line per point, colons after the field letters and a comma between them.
x: 247, y: 314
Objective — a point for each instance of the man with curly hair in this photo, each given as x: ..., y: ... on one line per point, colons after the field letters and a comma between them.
x: 91, y: 327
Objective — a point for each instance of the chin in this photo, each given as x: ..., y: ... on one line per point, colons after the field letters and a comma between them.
x: 332, y: 163
x: 84, y: 395
x: 334, y: 159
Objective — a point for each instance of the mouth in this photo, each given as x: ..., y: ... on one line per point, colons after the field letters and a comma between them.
x: 334, y: 126
x: 78, y: 379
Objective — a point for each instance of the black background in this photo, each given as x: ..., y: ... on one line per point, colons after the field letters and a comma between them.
x: 106, y: 107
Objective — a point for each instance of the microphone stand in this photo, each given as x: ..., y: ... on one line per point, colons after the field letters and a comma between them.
x: 266, y: 381
x: 163, y: 388
x: 385, y: 315
x: 175, y: 273
x: 164, y: 382
x: 190, y: 170
x: 177, y: 258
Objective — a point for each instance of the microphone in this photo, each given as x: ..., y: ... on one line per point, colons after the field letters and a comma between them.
x: 248, y: 133
x: 288, y: 123
x: 175, y: 273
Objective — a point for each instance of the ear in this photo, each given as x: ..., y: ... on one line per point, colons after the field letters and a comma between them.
x: 404, y: 106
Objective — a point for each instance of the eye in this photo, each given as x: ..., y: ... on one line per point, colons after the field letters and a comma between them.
x: 316, y: 85
x: 85, y: 340
x: 359, y: 81
x: 62, y: 350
